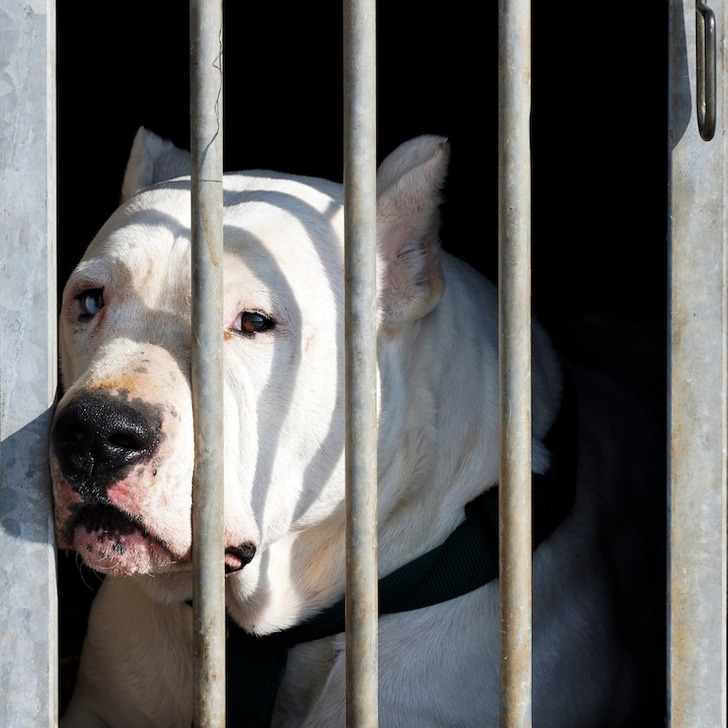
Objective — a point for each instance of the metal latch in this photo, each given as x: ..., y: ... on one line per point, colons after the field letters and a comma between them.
x: 706, y: 64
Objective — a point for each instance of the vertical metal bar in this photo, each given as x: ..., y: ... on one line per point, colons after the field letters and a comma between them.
x: 514, y: 168
x: 28, y: 360
x: 698, y: 363
x: 361, y: 357
x: 207, y: 377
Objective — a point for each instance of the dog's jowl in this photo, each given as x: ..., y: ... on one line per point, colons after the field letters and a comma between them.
x: 122, y: 461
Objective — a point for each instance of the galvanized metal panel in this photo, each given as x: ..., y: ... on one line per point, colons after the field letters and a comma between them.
x: 698, y: 366
x: 28, y: 607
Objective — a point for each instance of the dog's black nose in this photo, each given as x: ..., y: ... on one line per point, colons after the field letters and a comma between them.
x: 98, y: 437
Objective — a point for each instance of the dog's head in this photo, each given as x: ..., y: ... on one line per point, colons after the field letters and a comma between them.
x: 122, y: 451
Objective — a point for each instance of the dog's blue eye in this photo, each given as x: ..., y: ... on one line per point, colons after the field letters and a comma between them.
x: 92, y: 301
x: 252, y: 322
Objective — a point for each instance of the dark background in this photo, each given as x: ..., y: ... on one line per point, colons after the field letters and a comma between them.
x: 598, y: 138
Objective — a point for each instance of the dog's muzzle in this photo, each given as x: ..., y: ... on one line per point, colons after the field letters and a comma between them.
x: 98, y: 438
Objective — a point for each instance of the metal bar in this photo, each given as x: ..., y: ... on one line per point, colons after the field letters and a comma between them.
x: 698, y: 366
x: 28, y: 360
x: 514, y: 276
x: 207, y: 376
x: 361, y: 366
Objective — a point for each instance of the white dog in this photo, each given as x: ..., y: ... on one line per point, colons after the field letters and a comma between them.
x: 122, y: 460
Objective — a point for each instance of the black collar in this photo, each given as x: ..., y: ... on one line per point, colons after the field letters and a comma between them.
x: 467, y: 560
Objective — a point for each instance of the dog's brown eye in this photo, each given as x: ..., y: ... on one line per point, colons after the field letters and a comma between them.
x: 91, y: 302
x: 252, y: 322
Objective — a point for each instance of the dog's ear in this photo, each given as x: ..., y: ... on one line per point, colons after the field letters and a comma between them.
x: 152, y: 159
x: 409, y: 182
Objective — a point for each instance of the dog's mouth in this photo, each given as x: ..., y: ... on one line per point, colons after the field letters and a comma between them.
x: 111, y: 540
x: 108, y: 519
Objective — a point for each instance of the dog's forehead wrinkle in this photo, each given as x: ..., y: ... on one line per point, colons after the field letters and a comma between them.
x: 279, y: 232
x: 133, y: 227
x: 88, y: 274
x: 314, y: 205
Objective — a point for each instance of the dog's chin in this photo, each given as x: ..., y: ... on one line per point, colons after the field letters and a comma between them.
x: 111, y: 541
